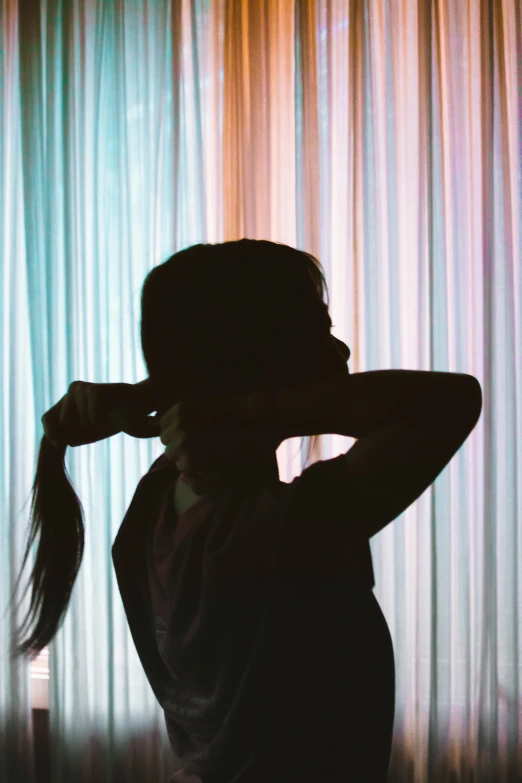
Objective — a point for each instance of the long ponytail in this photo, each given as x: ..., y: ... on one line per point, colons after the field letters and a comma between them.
x: 57, y: 515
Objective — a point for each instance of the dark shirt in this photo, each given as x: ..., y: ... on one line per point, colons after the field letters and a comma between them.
x: 233, y: 607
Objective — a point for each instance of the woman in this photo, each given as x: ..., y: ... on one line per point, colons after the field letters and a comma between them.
x: 250, y: 601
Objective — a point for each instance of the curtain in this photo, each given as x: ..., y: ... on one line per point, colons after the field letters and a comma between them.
x: 384, y: 138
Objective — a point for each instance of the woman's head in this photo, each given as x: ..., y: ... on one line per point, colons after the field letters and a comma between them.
x: 236, y: 317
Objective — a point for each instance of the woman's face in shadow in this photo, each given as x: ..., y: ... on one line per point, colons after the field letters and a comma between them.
x: 323, y: 359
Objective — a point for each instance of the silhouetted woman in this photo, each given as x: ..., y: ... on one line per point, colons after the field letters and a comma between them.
x: 250, y: 601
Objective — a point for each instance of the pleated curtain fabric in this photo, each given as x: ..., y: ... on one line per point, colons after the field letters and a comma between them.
x: 384, y: 138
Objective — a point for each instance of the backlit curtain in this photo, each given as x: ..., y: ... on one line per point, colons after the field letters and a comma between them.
x: 384, y: 138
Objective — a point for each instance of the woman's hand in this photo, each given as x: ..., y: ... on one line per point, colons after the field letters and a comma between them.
x: 90, y: 412
x: 212, y: 433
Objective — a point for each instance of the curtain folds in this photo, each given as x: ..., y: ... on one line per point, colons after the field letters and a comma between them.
x: 382, y: 137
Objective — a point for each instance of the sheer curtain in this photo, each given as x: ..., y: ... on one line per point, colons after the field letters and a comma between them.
x: 383, y: 137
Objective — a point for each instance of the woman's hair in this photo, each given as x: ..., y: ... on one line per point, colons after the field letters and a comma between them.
x: 230, y: 317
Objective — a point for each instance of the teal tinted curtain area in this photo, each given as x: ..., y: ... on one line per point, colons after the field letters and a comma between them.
x: 384, y: 138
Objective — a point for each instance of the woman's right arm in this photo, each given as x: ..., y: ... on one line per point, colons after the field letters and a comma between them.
x: 357, y: 404
x: 409, y: 426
